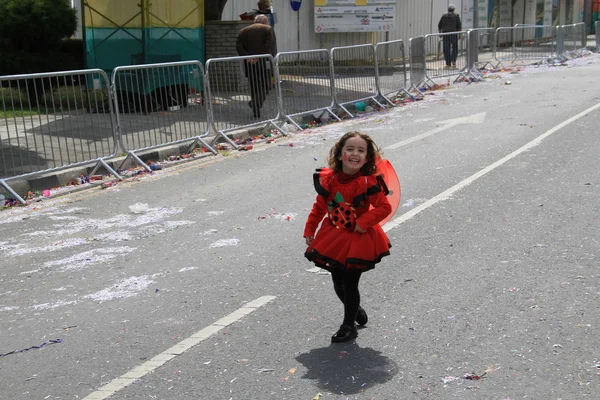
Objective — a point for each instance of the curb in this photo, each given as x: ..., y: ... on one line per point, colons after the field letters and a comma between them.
x: 65, y: 177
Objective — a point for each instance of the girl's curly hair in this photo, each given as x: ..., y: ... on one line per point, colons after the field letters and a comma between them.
x: 373, y: 153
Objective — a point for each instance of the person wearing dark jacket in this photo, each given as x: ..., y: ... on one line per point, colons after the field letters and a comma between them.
x: 258, y: 38
x: 265, y: 7
x: 450, y: 22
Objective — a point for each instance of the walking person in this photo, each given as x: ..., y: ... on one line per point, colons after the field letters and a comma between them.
x: 256, y: 39
x: 265, y: 7
x: 450, y: 22
x: 350, y: 204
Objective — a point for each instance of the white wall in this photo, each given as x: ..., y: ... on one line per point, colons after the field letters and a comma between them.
x: 295, y: 30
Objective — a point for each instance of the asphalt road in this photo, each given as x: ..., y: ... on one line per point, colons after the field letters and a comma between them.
x: 491, y: 290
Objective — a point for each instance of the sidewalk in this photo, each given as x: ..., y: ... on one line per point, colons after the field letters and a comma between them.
x: 67, y: 177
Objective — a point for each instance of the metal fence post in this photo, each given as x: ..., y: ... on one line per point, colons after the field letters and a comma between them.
x: 560, y: 40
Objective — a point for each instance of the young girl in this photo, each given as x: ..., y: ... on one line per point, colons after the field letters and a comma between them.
x: 350, y: 240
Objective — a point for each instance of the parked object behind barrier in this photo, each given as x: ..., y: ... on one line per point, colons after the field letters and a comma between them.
x: 160, y: 104
x: 51, y: 121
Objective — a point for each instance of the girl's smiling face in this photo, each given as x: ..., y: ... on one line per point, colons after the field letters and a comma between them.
x: 354, y: 155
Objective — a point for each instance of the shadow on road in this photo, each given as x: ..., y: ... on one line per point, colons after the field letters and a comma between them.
x: 15, y: 160
x: 347, y: 368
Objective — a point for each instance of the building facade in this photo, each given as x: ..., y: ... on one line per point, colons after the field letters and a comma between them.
x: 296, y: 29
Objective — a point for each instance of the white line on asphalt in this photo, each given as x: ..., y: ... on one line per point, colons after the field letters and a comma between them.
x: 447, y: 193
x: 129, y: 377
x: 471, y: 119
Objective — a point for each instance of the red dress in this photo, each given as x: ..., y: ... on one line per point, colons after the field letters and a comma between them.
x: 346, y: 200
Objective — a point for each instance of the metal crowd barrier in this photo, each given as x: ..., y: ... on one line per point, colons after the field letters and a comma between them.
x: 241, y: 93
x: 418, y: 62
x: 159, y: 105
x: 390, y: 63
x: 571, y: 39
x: 480, y: 50
x: 524, y: 43
x: 53, y: 121
x: 354, y: 76
x: 446, y: 54
x: 305, y: 84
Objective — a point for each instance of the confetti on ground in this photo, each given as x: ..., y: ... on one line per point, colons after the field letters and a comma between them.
x: 449, y: 379
x: 280, y: 216
x: 473, y: 377
x: 49, y: 342
x: 225, y: 242
x: 127, y: 288
x: 88, y: 258
x: 51, y: 306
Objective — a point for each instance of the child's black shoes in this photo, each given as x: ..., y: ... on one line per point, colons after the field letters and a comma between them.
x: 361, y: 317
x: 345, y: 333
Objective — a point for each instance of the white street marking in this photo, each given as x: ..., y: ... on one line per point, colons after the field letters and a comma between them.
x: 449, y: 192
x: 450, y: 123
x: 158, y: 361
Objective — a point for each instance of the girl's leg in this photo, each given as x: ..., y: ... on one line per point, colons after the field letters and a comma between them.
x: 345, y: 284
x: 338, y: 283
x: 349, y: 278
x: 351, y: 296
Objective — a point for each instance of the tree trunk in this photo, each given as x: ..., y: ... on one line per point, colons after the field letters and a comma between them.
x: 213, y: 9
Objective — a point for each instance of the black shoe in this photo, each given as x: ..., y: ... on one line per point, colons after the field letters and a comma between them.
x: 361, y: 317
x: 345, y: 333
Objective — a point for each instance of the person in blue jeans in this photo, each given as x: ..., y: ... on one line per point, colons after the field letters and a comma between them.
x: 450, y: 22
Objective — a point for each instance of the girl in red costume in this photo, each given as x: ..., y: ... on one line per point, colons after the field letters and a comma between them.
x: 350, y: 240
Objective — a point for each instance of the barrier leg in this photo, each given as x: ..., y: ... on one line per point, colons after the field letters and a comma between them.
x: 279, y: 128
x: 346, y: 111
x: 378, y: 103
x: 12, y: 192
x: 227, y: 139
x: 291, y: 121
x: 334, y: 115
x: 136, y: 159
x: 108, y: 168
x: 204, y: 143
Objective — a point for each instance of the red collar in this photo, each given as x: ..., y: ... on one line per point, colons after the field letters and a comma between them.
x: 346, y: 178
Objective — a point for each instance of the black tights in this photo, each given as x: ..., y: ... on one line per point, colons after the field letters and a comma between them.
x: 345, y: 284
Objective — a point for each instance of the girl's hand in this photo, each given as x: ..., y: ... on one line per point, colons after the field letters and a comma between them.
x: 358, y: 229
x: 309, y: 240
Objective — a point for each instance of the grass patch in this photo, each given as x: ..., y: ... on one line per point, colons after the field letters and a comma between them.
x: 14, y: 102
x: 21, y: 113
